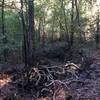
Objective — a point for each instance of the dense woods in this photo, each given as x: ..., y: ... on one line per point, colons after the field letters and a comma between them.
x: 49, y: 49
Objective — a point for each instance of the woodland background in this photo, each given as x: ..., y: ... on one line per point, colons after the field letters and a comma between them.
x: 39, y: 36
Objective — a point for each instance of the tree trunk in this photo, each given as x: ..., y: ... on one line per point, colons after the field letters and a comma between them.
x: 39, y: 31
x: 53, y: 22
x: 97, y: 37
x: 61, y: 30
x: 72, y: 26
x: 65, y: 20
x: 77, y: 13
x: 5, y: 51
x: 43, y: 35
x: 30, y: 35
x: 25, y: 42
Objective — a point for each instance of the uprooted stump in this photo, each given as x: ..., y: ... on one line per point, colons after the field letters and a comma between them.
x: 48, y: 80
x: 43, y: 81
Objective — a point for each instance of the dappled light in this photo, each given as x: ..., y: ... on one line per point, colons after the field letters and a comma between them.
x: 4, y: 80
x: 49, y: 49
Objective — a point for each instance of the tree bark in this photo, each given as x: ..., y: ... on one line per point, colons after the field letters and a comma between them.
x: 65, y: 20
x: 97, y: 37
x: 77, y: 13
x: 25, y: 42
x: 30, y: 36
x: 53, y: 22
x: 5, y: 51
x: 72, y: 26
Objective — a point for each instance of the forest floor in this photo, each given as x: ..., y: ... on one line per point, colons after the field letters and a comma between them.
x: 85, y: 87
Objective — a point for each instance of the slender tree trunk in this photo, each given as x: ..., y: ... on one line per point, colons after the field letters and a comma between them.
x: 72, y: 25
x: 3, y: 18
x: 61, y: 30
x: 65, y: 20
x: 30, y: 32
x: 39, y: 31
x: 5, y: 51
x: 81, y: 38
x: 43, y: 37
x: 26, y: 14
x: 77, y: 12
x: 53, y: 22
x: 25, y: 42
x: 97, y: 37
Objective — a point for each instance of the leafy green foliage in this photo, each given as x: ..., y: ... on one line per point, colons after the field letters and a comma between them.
x: 13, y: 33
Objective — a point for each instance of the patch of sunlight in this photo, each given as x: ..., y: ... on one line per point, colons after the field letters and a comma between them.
x: 4, y: 81
x: 95, y: 9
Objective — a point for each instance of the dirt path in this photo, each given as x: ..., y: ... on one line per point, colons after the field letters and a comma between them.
x: 91, y: 88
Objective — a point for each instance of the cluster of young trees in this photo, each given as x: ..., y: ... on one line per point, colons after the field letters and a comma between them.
x: 29, y: 24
